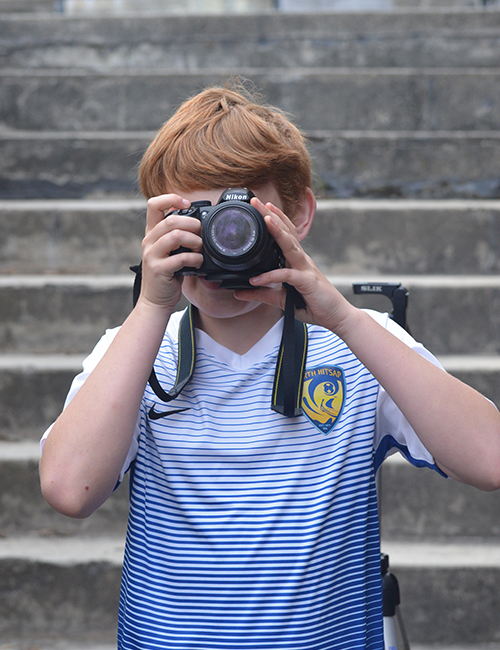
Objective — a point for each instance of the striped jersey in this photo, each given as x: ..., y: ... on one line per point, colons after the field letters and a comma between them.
x: 248, y: 529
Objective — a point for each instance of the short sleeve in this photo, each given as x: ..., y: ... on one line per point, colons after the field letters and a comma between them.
x: 87, y: 367
x: 393, y: 431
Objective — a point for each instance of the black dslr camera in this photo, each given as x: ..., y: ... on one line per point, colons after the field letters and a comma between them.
x: 236, y: 243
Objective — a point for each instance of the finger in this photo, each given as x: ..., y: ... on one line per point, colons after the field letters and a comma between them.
x: 175, y: 231
x: 159, y: 206
x: 290, y: 246
x: 173, y: 242
x: 269, y: 209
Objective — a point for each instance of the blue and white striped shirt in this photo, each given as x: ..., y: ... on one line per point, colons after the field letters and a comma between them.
x: 248, y: 529
x: 251, y: 530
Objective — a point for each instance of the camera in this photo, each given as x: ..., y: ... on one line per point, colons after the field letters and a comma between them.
x: 236, y: 243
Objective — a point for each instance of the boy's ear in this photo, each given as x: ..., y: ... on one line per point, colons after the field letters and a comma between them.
x: 304, y: 215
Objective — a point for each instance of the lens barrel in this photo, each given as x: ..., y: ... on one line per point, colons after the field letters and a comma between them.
x: 235, y: 236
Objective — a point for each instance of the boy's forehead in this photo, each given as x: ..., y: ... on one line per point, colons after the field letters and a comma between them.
x: 266, y: 193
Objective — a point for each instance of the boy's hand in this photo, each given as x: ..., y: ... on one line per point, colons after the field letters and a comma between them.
x: 325, y: 305
x: 160, y: 286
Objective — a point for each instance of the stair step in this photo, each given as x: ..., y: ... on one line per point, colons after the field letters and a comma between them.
x: 405, y: 237
x: 32, y: 393
x: 27, y: 6
x: 97, y: 237
x: 33, y: 388
x: 59, y: 589
x: 23, y: 510
x: 348, y: 236
x: 61, y: 314
x: 406, y: 164
x: 70, y: 165
x: 71, y: 551
x: 419, y: 505
x: 448, y: 314
x: 450, y: 602
x: 376, y: 164
x: 448, y: 593
x: 68, y: 314
x: 403, y: 99
x: 412, y: 37
x: 416, y: 505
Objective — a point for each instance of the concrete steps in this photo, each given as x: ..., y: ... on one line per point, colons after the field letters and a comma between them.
x: 348, y: 236
x: 370, y: 164
x: 401, y: 112
x: 345, y: 99
x: 411, y: 37
x: 69, y: 313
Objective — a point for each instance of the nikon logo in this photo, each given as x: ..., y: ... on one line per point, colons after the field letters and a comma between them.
x: 235, y: 197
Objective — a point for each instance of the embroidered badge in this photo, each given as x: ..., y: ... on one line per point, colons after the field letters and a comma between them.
x: 323, y: 396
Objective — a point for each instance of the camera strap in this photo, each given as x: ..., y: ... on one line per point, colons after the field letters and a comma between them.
x: 292, y: 357
x: 290, y: 366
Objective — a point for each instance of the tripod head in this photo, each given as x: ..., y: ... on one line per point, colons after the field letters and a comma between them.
x: 397, y: 294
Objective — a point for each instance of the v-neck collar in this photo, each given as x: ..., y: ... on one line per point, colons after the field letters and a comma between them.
x: 236, y: 361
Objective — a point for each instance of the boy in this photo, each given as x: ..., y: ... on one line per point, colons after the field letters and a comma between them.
x: 247, y: 528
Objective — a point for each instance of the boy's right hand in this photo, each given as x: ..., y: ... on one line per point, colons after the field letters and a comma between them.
x: 160, y: 286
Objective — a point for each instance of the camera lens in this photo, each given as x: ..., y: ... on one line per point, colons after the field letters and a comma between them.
x: 233, y: 232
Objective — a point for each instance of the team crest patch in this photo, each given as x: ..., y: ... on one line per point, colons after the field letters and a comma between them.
x: 323, y: 396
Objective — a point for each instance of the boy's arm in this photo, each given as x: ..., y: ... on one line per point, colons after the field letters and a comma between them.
x: 458, y: 426
x: 88, y: 444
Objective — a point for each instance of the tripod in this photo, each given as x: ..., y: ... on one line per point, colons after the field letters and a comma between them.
x: 394, y: 631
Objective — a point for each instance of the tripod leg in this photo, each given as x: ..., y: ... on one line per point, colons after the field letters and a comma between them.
x: 390, y: 636
x: 402, y: 630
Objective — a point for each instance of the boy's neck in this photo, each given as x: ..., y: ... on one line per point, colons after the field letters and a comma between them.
x: 240, y: 333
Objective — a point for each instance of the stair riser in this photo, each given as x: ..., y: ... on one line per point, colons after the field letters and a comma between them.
x: 30, y: 401
x: 343, y: 239
x: 416, y: 39
x: 450, y: 606
x: 59, y: 319
x: 23, y: 509
x: 78, y: 603
x: 69, y: 168
x: 27, y: 5
x: 419, y: 504
x: 374, y: 100
x: 405, y: 241
x: 55, y: 241
x: 422, y: 166
x: 416, y: 505
x: 71, y: 319
x: 346, y: 165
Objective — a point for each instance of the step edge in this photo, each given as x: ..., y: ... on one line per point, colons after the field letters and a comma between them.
x: 114, y: 205
x: 415, y: 555
x: 120, y: 280
x: 67, y: 551
x: 318, y: 135
x: 442, y: 555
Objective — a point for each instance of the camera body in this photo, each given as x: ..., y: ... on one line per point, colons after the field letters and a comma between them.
x: 236, y: 243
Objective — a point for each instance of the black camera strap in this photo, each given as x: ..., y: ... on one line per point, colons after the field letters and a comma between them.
x: 290, y: 366
x: 292, y: 357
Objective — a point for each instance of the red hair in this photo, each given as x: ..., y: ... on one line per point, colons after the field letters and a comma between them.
x: 222, y: 138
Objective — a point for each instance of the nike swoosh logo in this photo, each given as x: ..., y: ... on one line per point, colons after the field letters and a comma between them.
x: 157, y: 415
